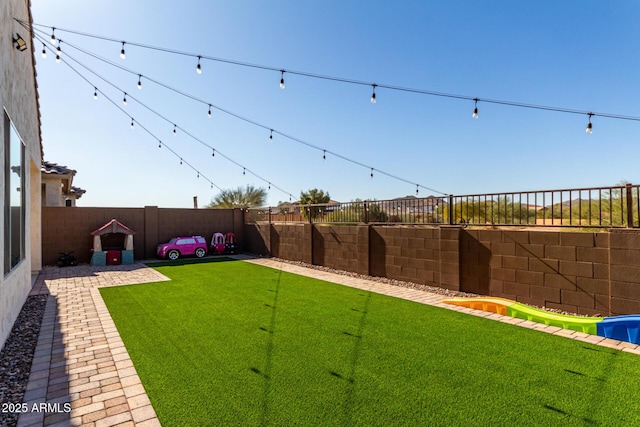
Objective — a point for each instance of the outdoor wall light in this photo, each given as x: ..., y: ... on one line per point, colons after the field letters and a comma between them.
x: 19, y: 42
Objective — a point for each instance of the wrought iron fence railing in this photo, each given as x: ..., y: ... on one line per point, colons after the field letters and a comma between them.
x: 598, y: 207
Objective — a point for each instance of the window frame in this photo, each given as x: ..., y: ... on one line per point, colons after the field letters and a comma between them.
x: 14, y: 246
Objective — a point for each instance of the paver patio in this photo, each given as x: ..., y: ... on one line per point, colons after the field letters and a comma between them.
x: 81, y: 361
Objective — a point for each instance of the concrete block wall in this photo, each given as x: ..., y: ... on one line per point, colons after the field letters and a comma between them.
x: 407, y: 254
x: 288, y: 242
x: 342, y: 248
x: 581, y: 272
x: 625, y: 271
x: 562, y: 270
x: 67, y: 229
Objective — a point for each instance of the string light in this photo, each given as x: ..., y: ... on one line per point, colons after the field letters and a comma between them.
x: 174, y: 129
x: 475, y: 110
x: 124, y: 100
x: 198, y: 67
x: 131, y: 122
x: 244, y: 171
x: 213, y: 153
x: 198, y: 174
x: 122, y: 55
x: 589, y: 125
x: 44, y: 51
x: 281, y: 79
x: 180, y: 160
x: 324, y: 155
x: 58, y: 51
x: 159, y: 144
x: 371, y: 173
x: 373, y: 94
x: 345, y: 80
x: 139, y: 81
x: 271, y: 135
x: 95, y: 93
x: 417, y: 189
x: 209, y: 113
x: 53, y: 35
x: 269, y: 186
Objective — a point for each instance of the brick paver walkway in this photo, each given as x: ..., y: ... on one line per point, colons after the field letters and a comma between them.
x: 81, y: 362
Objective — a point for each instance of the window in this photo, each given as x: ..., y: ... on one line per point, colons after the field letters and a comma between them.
x: 14, y: 196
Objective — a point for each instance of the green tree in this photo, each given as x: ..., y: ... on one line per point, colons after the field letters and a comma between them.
x: 313, y: 197
x: 241, y: 197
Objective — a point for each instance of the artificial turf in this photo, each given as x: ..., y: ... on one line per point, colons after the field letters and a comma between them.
x: 232, y: 343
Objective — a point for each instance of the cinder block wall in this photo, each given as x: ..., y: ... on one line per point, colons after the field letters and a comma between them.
x: 288, y: 242
x: 582, y: 272
x: 67, y: 229
x: 563, y: 270
x: 342, y: 248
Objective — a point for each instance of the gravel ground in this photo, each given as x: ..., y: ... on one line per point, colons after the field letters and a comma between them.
x: 17, y: 354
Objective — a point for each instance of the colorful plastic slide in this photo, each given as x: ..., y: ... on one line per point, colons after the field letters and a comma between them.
x: 622, y: 328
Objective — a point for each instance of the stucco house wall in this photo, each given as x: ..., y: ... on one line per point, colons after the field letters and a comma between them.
x: 18, y: 99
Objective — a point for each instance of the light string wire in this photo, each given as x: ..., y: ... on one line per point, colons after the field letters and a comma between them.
x: 238, y: 116
x: 351, y: 81
x: 115, y: 104
x: 129, y: 96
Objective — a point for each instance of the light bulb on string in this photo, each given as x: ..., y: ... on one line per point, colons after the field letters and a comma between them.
x: 271, y: 135
x: 198, y: 174
x: 371, y: 175
x: 269, y: 186
x: 213, y: 153
x: 132, y: 125
x: 281, y: 79
x: 417, y: 190
x: 53, y: 35
x: 95, y: 93
x: 122, y: 55
x: 589, y: 125
x: 181, y: 160
x: 324, y: 155
x: 475, y: 110
x: 198, y: 67
x: 124, y: 100
x: 58, y: 52
x: 209, y: 112
x: 244, y: 171
x: 159, y: 144
x: 44, y: 51
x: 139, y: 81
x: 174, y: 129
x: 373, y: 94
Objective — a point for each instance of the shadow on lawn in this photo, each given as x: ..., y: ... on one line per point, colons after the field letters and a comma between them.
x: 595, y: 395
x: 266, y: 372
x: 353, y: 363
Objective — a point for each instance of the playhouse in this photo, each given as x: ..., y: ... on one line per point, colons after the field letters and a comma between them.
x: 112, y: 244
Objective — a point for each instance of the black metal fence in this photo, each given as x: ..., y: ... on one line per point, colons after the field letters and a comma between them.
x: 598, y: 207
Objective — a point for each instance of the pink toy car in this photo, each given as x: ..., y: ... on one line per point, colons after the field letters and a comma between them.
x: 183, y: 246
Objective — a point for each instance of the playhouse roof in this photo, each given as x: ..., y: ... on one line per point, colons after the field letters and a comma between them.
x: 113, y: 226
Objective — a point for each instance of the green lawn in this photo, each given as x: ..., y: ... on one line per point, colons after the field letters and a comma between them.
x: 231, y: 343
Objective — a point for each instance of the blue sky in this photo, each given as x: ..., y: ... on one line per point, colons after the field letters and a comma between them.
x: 570, y: 54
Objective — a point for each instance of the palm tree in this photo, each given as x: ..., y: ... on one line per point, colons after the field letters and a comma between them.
x: 247, y: 197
